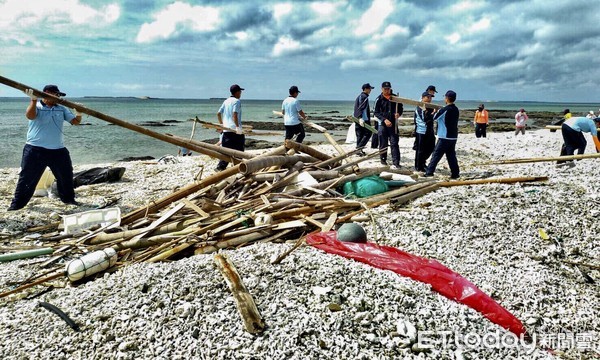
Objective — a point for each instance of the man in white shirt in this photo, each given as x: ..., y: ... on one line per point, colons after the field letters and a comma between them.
x: 230, y: 116
x: 292, y: 111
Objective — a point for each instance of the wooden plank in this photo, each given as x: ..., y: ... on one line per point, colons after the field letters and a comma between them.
x: 203, y: 214
x: 330, y: 222
x: 357, y: 122
x: 402, y: 100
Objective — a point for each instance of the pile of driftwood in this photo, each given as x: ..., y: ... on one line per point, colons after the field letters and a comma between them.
x: 259, y: 198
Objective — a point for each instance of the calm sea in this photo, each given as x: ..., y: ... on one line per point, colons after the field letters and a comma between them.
x: 101, y: 142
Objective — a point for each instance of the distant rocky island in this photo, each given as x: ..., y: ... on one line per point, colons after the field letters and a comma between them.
x: 122, y: 97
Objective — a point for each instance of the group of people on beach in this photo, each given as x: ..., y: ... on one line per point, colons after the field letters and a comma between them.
x: 387, y: 113
x: 45, y: 144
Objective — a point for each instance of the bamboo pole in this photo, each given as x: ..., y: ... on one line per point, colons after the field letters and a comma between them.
x: 110, y: 119
x: 494, y: 181
x: 541, y: 159
x: 217, y: 149
x: 289, y: 144
x: 559, y: 127
x: 253, y: 321
x: 253, y: 165
x: 27, y: 286
x: 401, y: 200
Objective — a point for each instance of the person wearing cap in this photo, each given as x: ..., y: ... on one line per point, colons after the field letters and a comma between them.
x: 572, y: 132
x: 362, y: 111
x: 45, y: 148
x: 292, y: 112
x: 425, y: 137
x: 520, y: 119
x: 481, y: 121
x: 230, y: 116
x: 431, y: 90
x: 591, y: 115
x: 447, y: 132
x: 387, y: 115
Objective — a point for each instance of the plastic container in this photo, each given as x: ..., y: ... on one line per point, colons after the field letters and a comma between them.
x: 76, y: 222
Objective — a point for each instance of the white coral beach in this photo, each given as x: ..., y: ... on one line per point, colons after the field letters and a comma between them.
x: 490, y: 234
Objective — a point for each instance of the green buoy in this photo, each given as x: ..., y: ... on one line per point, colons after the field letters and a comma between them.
x: 352, y: 232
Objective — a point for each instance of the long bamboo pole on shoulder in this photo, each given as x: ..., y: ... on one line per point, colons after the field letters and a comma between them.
x: 113, y: 120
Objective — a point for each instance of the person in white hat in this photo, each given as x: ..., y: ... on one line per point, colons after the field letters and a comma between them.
x: 591, y: 115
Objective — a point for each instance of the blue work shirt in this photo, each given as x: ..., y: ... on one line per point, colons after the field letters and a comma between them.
x: 447, y: 119
x: 231, y: 105
x: 582, y: 124
x: 46, y: 130
x: 291, y: 107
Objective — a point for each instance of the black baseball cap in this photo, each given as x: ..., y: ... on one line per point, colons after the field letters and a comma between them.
x: 450, y: 95
x: 294, y: 89
x: 235, y: 88
x: 386, y: 84
x: 427, y: 94
x: 53, y: 89
x: 367, y: 86
x: 431, y: 87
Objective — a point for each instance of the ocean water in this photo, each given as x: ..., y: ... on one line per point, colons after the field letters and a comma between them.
x: 101, y: 142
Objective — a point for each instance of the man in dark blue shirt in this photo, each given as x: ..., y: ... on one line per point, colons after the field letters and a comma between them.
x: 362, y: 111
x: 387, y: 115
x: 447, y: 132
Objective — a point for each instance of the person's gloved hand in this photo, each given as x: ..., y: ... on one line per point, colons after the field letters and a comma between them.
x: 361, y: 122
x: 238, y: 130
x: 29, y: 92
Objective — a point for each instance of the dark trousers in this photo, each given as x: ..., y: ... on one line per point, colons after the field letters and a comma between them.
x: 480, y: 130
x: 362, y: 135
x: 231, y: 140
x: 387, y: 135
x: 574, y: 140
x: 33, y: 163
x: 448, y: 148
x: 425, y: 143
x: 292, y: 130
x: 375, y: 136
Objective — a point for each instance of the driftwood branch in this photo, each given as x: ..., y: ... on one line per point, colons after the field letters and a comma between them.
x: 253, y: 321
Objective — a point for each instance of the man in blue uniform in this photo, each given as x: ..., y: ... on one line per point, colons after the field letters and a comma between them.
x: 425, y: 137
x: 362, y: 111
x: 292, y: 111
x: 572, y: 132
x: 230, y: 116
x: 45, y: 148
x: 387, y: 115
x: 447, y: 119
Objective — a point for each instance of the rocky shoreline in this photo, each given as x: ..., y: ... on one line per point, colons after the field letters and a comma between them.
x: 318, y: 305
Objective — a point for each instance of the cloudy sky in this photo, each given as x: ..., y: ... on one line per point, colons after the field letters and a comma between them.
x: 534, y: 50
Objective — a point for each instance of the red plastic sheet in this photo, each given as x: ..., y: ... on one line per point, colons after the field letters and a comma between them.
x: 441, y: 279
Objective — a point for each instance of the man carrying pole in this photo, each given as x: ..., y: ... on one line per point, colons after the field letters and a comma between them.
x: 292, y: 111
x: 425, y: 138
x: 45, y: 148
x: 447, y: 132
